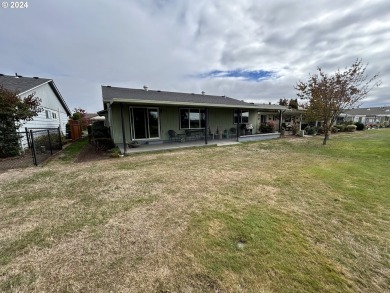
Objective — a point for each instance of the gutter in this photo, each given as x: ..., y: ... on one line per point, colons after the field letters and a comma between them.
x: 154, y: 102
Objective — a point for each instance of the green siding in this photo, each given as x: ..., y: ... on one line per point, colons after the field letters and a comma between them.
x: 169, y: 120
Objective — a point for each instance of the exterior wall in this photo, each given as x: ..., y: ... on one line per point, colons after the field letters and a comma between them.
x: 221, y: 118
x: 49, y: 103
x: 116, y: 123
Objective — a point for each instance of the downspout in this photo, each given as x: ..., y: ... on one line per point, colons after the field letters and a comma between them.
x: 123, y: 131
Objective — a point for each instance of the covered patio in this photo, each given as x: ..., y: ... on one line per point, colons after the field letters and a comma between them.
x: 174, y: 145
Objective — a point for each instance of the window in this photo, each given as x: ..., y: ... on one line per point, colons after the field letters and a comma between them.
x: 47, y: 114
x: 192, y: 118
x: 243, y: 114
x: 54, y: 115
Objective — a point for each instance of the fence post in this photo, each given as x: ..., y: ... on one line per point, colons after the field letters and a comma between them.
x: 33, y: 149
x: 28, y: 138
x: 51, y: 148
x: 59, y: 137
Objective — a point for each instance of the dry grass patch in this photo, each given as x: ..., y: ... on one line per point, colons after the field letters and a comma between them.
x: 257, y: 217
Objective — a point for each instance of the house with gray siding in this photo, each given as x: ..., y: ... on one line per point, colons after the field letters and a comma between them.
x: 55, y: 111
x: 367, y: 116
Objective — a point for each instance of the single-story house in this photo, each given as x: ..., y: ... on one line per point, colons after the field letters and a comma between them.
x: 154, y: 116
x: 55, y: 111
x: 372, y: 115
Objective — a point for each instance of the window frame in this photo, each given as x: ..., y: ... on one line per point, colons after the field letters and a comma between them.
x: 131, y: 119
x: 201, y: 121
x: 236, y: 113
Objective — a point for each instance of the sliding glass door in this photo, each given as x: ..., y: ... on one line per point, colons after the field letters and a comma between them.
x: 146, y: 123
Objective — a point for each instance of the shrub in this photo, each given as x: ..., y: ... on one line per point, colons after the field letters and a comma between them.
x: 9, y: 144
x: 386, y: 124
x: 311, y: 130
x: 43, y: 140
x: 295, y: 128
x: 359, y: 126
x: 351, y: 128
x: 268, y: 127
x: 340, y: 127
x: 334, y: 129
x: 104, y: 143
x: 67, y: 130
x: 320, y: 130
x: 98, y: 130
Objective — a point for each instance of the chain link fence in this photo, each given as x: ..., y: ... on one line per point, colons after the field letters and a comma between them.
x: 28, y: 148
x: 44, y: 143
x: 12, y: 155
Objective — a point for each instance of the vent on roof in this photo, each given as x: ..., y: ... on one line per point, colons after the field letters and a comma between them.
x: 16, y: 75
x: 269, y: 103
x: 146, y: 88
x: 36, y: 77
x: 159, y: 91
x: 203, y: 92
x: 223, y: 96
x: 108, y: 86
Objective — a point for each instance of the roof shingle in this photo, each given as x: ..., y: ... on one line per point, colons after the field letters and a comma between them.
x: 21, y: 84
x: 112, y: 93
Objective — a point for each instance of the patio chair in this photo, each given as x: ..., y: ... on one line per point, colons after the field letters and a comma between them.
x: 233, y: 132
x: 225, y: 133
x: 173, y: 136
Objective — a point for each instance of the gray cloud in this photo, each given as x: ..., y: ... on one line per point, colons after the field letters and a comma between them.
x: 84, y: 44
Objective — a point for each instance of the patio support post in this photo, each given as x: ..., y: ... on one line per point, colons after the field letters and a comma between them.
x: 123, y: 131
x: 206, y: 127
x: 238, y: 124
x: 280, y: 120
x: 300, y: 122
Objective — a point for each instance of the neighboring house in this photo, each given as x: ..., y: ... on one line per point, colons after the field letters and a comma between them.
x: 55, y: 111
x: 92, y: 117
x: 149, y: 116
x: 373, y: 115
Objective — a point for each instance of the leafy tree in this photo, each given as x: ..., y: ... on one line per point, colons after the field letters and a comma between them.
x: 328, y: 95
x: 13, y: 111
x: 293, y: 104
x: 79, y: 114
x: 283, y: 102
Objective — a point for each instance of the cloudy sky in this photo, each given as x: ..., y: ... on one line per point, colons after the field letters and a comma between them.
x: 250, y: 50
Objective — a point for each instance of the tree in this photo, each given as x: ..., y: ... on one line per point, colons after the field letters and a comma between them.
x: 79, y: 114
x: 328, y: 95
x: 293, y: 104
x: 13, y: 111
x: 283, y: 102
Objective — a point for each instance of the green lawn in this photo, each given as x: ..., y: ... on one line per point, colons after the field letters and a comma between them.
x: 289, y: 215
